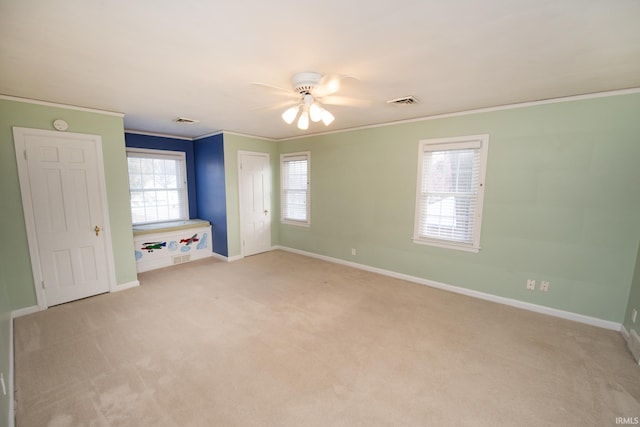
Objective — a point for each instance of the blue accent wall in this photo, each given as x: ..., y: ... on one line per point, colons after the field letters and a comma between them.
x: 133, y: 140
x: 210, y: 188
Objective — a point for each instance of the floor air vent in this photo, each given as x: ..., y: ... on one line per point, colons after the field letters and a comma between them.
x: 407, y: 100
x: 179, y: 259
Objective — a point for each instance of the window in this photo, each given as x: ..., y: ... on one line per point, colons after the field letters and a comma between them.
x: 294, y: 173
x: 157, y: 186
x: 450, y: 191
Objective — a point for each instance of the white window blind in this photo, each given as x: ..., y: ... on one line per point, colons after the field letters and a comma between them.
x: 450, y: 192
x: 157, y: 186
x: 295, y: 188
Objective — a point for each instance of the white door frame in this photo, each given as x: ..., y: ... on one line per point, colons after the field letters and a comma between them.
x: 19, y: 135
x: 240, y: 204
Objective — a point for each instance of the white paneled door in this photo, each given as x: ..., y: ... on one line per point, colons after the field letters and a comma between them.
x: 66, y: 210
x: 255, y: 202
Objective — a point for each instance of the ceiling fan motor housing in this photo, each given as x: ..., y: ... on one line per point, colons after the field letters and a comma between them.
x: 305, y: 82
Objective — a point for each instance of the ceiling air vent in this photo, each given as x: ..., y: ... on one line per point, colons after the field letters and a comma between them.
x: 186, y: 120
x: 406, y: 100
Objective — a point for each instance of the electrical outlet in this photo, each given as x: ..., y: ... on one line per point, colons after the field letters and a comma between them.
x: 353, y: 251
x: 634, y: 314
x: 544, y: 286
x: 531, y: 284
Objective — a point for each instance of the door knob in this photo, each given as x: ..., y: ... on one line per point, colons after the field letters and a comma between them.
x: 97, y: 230
x: 266, y: 211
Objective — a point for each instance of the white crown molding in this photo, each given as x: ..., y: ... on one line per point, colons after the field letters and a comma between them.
x: 208, y: 135
x: 57, y: 105
x: 160, y: 135
x: 393, y: 123
x: 581, y: 318
x: 226, y: 132
x: 477, y: 111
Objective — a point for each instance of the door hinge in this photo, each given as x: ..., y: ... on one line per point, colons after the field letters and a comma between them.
x: 43, y: 285
x: 25, y: 154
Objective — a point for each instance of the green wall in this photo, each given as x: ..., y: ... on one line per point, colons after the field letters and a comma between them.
x: 232, y: 144
x: 561, y: 202
x: 16, y: 280
x: 110, y: 127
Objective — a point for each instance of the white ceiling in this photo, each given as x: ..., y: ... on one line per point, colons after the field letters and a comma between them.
x: 155, y: 60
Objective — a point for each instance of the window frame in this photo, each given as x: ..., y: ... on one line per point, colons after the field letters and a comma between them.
x: 289, y: 157
x: 451, y: 144
x: 147, y: 153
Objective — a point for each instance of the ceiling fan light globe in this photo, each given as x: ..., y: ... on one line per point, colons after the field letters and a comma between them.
x: 327, y: 117
x: 290, y: 115
x: 303, y: 121
x: 315, y: 112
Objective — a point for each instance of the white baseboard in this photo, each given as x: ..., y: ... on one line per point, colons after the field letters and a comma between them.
x: 624, y: 332
x: 594, y: 321
x: 228, y: 259
x: 124, y: 286
x: 633, y: 342
x: 15, y: 314
x: 10, y: 381
x: 24, y: 311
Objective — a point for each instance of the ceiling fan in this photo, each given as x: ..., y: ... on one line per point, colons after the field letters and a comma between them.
x: 311, y: 91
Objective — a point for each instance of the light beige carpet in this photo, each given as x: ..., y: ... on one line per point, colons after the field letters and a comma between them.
x: 280, y: 339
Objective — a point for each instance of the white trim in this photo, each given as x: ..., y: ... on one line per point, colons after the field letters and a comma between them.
x: 624, y: 332
x: 24, y: 311
x: 178, y: 156
x: 11, y: 415
x: 227, y: 259
x: 446, y: 245
x: 392, y: 123
x: 593, y: 321
x: 245, y: 135
x: 475, y: 142
x: 207, y: 135
x: 298, y: 155
x: 157, y: 153
x: 220, y: 257
x: 476, y: 111
x: 125, y: 286
x: 57, y: 105
x: 161, y: 135
x: 632, y: 340
x: 228, y: 132
x: 11, y: 377
x: 19, y: 134
x: 102, y: 183
x: 240, y: 154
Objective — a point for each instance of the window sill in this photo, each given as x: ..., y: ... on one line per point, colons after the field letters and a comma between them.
x: 447, y: 245
x: 298, y: 223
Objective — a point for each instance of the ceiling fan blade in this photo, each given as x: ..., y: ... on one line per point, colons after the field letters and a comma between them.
x: 330, y: 84
x: 344, y: 100
x: 277, y: 89
x: 278, y: 105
